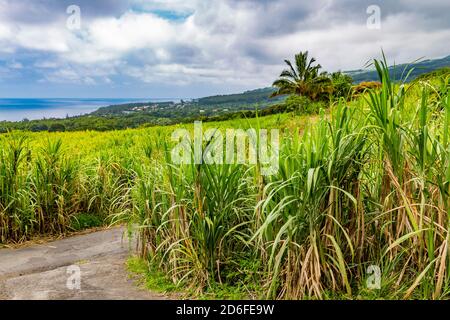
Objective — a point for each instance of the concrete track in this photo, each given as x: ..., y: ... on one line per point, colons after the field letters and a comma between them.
x: 90, y: 266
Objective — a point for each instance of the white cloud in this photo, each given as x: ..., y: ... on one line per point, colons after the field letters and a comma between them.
x: 45, y: 38
x: 130, y: 31
x: 49, y: 38
x: 5, y: 32
x: 224, y: 41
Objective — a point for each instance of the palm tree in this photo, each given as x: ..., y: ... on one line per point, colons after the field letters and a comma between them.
x: 304, y: 79
x: 342, y: 84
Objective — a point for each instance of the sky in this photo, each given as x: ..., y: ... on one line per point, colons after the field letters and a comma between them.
x: 195, y: 48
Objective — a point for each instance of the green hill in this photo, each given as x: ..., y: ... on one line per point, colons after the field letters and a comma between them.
x: 400, y: 71
x: 218, y: 107
x: 212, y: 105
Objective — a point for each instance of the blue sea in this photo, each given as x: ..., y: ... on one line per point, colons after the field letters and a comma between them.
x: 19, y: 109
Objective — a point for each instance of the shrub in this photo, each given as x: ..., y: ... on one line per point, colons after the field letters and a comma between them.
x: 38, y: 127
x: 85, y: 221
x: 57, y: 127
x: 342, y: 84
x: 302, y: 105
x: 364, y: 86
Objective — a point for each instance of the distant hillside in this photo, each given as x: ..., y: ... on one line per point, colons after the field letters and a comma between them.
x: 396, y: 72
x: 207, y: 106
x: 213, y: 108
x: 129, y: 108
x: 222, y: 104
x: 257, y: 96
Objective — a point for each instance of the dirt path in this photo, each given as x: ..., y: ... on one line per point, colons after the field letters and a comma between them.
x: 53, y: 270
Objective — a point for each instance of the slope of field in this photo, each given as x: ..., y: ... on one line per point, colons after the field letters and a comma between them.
x: 359, y: 189
x: 207, y: 106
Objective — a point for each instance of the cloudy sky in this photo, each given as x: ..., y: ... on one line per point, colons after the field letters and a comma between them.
x: 192, y: 48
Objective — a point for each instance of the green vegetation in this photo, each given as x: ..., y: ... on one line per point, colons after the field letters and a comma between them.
x: 87, y: 122
x: 134, y: 115
x: 251, y: 98
x: 301, y: 78
x: 364, y: 182
x: 305, y: 79
x: 50, y: 179
x: 46, y: 190
x: 398, y: 72
x: 302, y: 105
x: 84, y: 221
x: 153, y: 279
x: 150, y: 277
x: 366, y: 185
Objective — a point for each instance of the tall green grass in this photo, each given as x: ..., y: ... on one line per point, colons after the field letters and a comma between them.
x: 366, y: 184
x: 44, y: 188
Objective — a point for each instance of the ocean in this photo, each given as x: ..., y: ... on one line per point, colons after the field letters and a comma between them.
x: 19, y: 109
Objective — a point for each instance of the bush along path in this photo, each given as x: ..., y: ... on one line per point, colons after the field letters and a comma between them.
x: 90, y: 266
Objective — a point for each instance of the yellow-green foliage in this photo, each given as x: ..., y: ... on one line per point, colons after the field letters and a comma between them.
x: 366, y: 184
x: 48, y: 178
